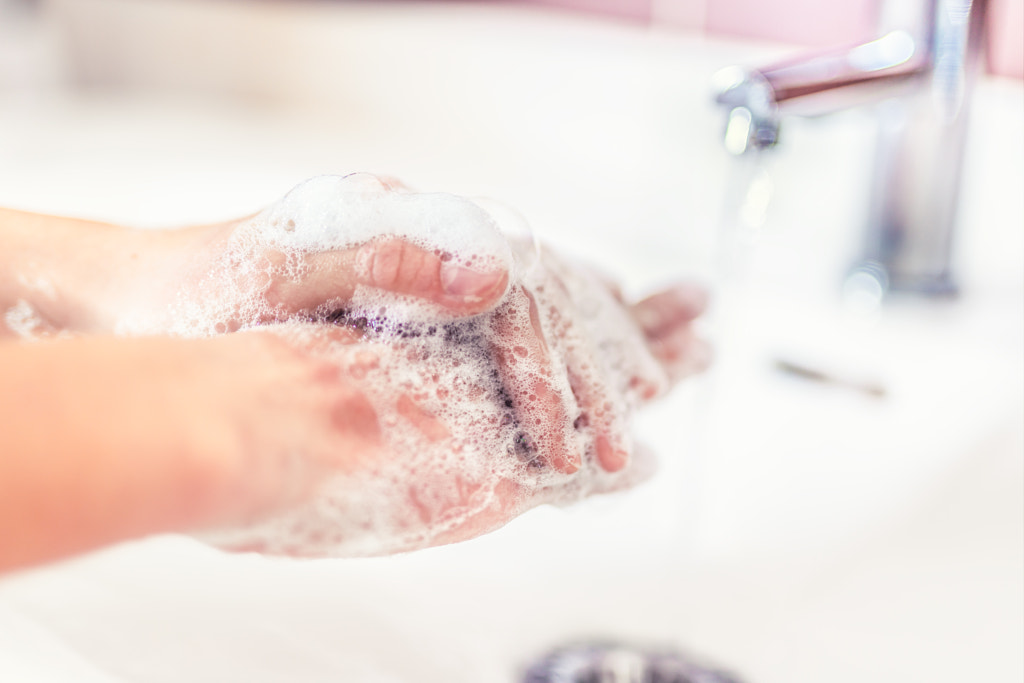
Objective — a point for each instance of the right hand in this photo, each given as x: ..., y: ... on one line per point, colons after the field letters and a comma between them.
x: 555, y: 430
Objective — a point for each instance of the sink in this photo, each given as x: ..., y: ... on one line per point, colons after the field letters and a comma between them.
x: 799, y: 530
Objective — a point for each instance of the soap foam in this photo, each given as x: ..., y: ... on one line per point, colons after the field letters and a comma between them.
x: 23, y: 321
x: 490, y: 452
x: 325, y: 213
x: 333, y: 212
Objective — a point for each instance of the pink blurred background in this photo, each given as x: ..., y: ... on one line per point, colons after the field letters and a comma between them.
x: 802, y: 22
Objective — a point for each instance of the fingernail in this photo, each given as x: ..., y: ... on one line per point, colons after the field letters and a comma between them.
x: 612, y: 459
x: 466, y: 283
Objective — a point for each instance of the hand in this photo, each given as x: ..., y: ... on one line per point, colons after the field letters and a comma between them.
x: 481, y: 419
x: 65, y: 275
x: 409, y: 431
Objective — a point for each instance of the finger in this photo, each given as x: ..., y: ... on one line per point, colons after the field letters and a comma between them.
x: 589, y: 382
x: 397, y: 266
x: 394, y: 265
x: 661, y: 313
x: 503, y: 505
x: 528, y: 376
x: 423, y: 420
x: 598, y: 401
x: 642, y: 466
x: 394, y: 184
x: 597, y: 414
x: 681, y: 352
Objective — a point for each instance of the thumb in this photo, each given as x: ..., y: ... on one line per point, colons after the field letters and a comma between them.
x: 398, y: 266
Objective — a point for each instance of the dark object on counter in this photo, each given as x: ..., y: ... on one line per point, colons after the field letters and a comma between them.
x: 868, y: 387
x: 606, y: 662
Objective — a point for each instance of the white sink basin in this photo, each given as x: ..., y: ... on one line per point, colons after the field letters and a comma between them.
x: 799, y: 531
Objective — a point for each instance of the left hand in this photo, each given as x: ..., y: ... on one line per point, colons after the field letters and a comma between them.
x: 65, y: 275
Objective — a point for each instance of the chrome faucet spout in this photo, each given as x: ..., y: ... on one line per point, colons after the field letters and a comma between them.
x: 920, y: 78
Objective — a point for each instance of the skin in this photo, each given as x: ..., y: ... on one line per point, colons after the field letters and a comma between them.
x: 109, y: 438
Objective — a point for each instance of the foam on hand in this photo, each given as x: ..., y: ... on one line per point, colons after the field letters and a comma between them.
x: 337, y: 212
x: 465, y: 406
x: 324, y: 213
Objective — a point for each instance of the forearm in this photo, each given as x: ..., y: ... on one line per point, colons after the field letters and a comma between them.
x: 106, y: 440
x: 67, y: 274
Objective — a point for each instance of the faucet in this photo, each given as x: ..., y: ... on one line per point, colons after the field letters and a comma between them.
x: 920, y: 77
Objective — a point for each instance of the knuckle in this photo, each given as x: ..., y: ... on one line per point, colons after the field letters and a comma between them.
x: 386, y: 259
x: 399, y: 266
